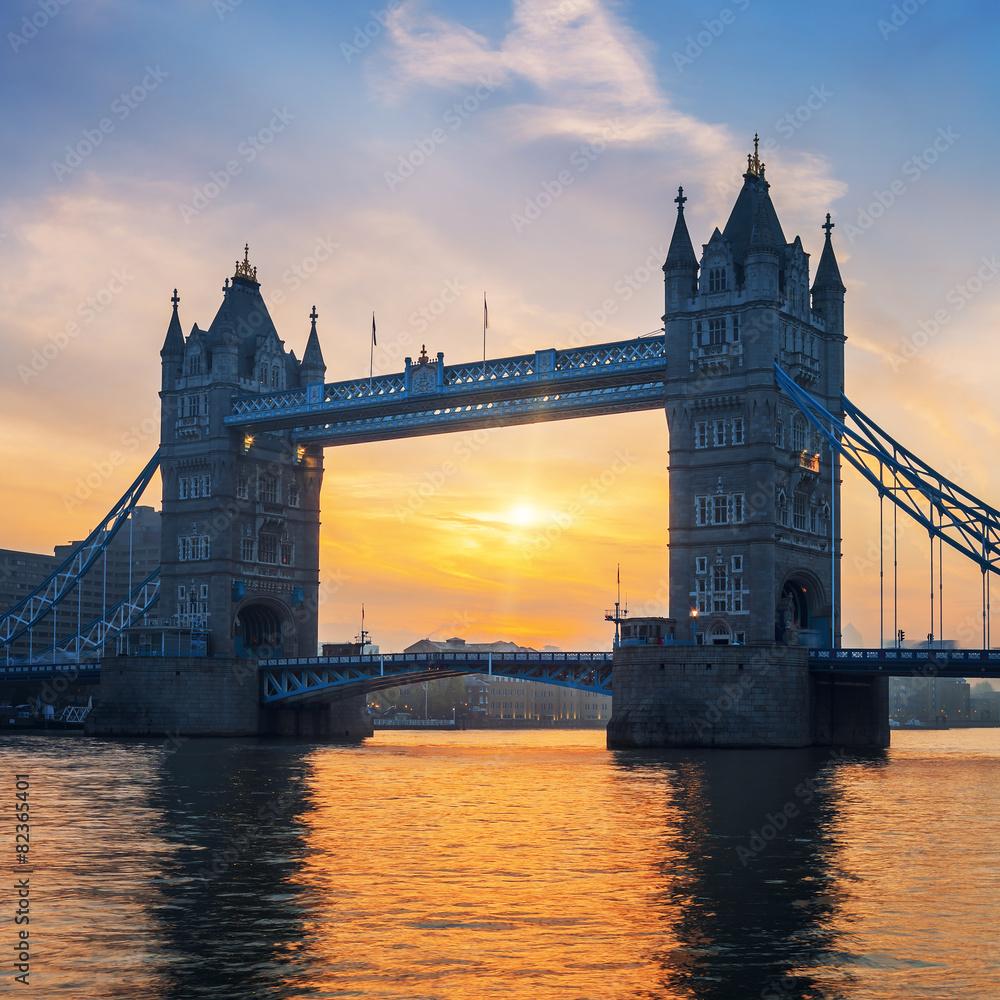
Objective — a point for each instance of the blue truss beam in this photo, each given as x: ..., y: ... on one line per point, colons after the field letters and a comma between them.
x: 943, y: 508
x: 287, y: 681
x: 97, y: 634
x: 51, y: 591
x: 435, y: 398
x: 507, y: 413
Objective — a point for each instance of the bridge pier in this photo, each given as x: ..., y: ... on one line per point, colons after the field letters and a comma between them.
x: 740, y: 696
x: 338, y: 720
x: 172, y: 697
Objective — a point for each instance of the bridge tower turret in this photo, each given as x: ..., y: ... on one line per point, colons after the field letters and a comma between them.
x: 753, y: 498
x: 680, y: 270
x: 172, y: 352
x: 828, y: 304
x: 240, y: 519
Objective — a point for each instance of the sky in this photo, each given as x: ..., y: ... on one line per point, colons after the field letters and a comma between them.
x: 391, y: 159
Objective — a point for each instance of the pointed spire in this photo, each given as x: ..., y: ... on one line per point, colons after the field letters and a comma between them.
x: 681, y: 252
x: 174, y: 341
x: 762, y: 235
x: 312, y: 368
x: 828, y: 273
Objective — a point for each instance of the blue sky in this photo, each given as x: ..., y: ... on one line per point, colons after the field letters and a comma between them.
x: 288, y: 133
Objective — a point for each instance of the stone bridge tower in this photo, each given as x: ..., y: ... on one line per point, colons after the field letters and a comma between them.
x: 240, y: 521
x: 754, y: 504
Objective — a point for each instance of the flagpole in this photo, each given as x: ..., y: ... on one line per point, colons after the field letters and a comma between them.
x: 486, y: 323
x: 371, y: 356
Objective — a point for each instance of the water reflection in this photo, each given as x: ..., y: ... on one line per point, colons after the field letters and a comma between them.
x: 528, y: 866
x: 748, y: 879
x: 228, y: 912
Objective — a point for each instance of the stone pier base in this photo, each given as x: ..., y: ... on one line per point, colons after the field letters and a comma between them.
x: 339, y: 720
x: 209, y: 696
x: 740, y: 696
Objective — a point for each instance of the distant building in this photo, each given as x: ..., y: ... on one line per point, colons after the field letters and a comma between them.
x: 985, y: 707
x: 511, y: 698
x: 926, y: 699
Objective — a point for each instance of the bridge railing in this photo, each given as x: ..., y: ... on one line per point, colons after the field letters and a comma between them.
x: 847, y: 656
x: 640, y: 354
x: 37, y: 671
x: 484, y: 658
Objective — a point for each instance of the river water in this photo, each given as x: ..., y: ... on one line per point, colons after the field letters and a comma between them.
x: 505, y: 864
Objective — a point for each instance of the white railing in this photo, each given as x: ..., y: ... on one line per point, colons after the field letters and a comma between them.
x: 631, y: 355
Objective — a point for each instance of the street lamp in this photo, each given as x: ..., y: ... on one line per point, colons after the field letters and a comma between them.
x: 694, y: 626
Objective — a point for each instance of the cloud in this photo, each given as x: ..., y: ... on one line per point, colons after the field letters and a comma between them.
x: 586, y: 66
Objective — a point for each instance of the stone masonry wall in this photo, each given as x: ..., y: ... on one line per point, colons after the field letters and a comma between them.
x: 210, y: 696
x: 740, y: 696
x: 710, y: 696
x: 196, y: 696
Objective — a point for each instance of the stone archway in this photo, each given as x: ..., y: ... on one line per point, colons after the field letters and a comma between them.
x: 719, y: 634
x: 262, y: 628
x: 801, y: 617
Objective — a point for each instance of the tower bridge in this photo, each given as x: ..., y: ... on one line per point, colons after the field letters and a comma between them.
x: 749, y: 370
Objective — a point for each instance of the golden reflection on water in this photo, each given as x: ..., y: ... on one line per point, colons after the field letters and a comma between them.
x: 512, y: 864
x: 483, y: 864
x: 917, y: 852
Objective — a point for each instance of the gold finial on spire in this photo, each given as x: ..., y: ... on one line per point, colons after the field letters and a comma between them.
x: 243, y: 267
x: 754, y: 164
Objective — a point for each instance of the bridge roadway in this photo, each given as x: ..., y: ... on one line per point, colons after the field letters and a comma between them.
x: 434, y: 398
x: 289, y: 681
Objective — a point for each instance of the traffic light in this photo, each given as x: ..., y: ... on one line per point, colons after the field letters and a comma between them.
x: 902, y: 635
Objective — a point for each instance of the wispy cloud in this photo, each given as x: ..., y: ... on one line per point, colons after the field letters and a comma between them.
x: 585, y: 65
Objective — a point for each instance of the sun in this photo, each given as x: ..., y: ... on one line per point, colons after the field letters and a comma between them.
x: 522, y: 514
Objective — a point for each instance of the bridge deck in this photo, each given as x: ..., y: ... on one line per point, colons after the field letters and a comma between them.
x: 433, y: 398
x: 290, y: 680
